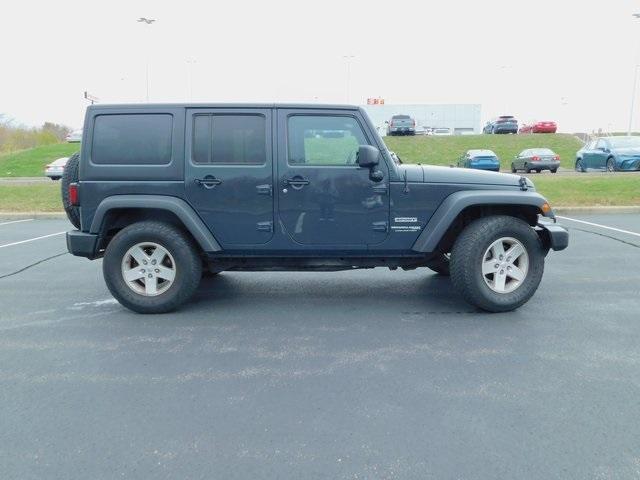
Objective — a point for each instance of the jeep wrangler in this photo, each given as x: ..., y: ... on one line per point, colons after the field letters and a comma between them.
x: 168, y: 193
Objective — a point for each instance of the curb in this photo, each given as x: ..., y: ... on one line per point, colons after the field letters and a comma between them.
x: 34, y: 215
x: 595, y: 210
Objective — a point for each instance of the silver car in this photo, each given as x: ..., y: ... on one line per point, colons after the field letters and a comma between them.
x: 55, y: 169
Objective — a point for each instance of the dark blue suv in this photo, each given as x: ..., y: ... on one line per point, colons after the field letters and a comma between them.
x: 168, y: 193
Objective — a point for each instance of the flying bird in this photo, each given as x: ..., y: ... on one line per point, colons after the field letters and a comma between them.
x: 148, y: 21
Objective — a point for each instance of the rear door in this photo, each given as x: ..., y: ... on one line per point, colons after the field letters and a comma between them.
x: 229, y: 173
x: 324, y: 197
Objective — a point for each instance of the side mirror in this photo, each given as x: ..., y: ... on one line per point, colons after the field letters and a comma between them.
x: 368, y: 156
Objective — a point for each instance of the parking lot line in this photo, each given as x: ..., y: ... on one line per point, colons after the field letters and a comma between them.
x: 16, y: 221
x: 31, y: 240
x: 600, y: 226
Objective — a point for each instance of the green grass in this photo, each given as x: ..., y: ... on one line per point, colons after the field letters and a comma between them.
x: 589, y: 189
x: 31, y: 162
x: 447, y: 150
x: 31, y: 198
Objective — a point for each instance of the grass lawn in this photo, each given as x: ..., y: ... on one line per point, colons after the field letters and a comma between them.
x: 31, y: 198
x: 589, y: 189
x: 447, y: 150
x: 31, y: 162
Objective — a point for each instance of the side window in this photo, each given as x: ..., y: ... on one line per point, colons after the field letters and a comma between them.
x: 132, y: 139
x: 324, y: 140
x: 601, y: 144
x: 229, y: 139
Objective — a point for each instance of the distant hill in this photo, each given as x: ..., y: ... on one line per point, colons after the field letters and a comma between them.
x: 31, y: 162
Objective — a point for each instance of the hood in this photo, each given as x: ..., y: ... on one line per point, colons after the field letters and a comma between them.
x: 433, y: 174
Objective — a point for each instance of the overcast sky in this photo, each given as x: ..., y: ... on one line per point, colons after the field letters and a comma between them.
x: 567, y: 60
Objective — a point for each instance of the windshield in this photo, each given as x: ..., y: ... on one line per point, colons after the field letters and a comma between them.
x: 401, y: 117
x: 625, y: 142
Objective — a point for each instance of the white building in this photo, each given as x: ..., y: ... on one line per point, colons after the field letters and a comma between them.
x: 458, y: 117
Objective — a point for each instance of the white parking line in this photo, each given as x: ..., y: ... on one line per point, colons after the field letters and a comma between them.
x: 16, y: 221
x: 31, y: 240
x: 600, y: 226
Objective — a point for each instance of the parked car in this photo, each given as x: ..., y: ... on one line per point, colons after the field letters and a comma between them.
x: 441, y: 131
x: 610, y: 153
x: 160, y: 212
x: 480, y: 159
x: 501, y: 124
x: 579, y: 165
x: 401, y: 125
x: 536, y: 160
x: 539, y: 127
x: 74, y: 137
x: 55, y: 169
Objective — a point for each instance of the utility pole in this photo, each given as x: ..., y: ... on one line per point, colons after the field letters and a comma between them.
x: 147, y: 21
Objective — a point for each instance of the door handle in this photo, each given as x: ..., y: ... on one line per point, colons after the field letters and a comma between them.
x: 208, y: 181
x: 296, y: 182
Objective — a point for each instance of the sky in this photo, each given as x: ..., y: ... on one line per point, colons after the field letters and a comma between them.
x: 571, y: 61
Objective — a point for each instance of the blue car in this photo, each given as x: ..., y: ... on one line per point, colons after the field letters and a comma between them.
x: 480, y: 160
x: 611, y: 154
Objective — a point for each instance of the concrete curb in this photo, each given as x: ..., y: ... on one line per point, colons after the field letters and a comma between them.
x: 595, y: 210
x: 27, y: 215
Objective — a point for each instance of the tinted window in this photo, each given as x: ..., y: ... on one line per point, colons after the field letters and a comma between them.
x: 324, y: 140
x: 401, y: 117
x: 136, y: 139
x: 229, y: 139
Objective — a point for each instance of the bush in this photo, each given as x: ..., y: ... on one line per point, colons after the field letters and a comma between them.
x: 18, y: 137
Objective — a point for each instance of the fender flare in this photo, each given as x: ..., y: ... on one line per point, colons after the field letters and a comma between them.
x: 187, y: 215
x: 451, y: 207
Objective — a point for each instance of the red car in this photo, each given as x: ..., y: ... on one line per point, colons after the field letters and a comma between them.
x: 539, y: 127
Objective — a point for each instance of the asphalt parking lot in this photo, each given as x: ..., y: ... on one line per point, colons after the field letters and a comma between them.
x: 364, y: 374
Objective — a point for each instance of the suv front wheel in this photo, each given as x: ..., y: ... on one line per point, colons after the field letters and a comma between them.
x: 151, y: 267
x: 497, y: 263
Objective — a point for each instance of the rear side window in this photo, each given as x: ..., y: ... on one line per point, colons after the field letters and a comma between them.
x: 132, y: 139
x: 229, y: 139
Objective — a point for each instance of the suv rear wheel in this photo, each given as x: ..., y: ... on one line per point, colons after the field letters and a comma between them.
x: 497, y: 263
x: 152, y: 267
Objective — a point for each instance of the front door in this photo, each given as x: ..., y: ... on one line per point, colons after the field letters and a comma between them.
x: 229, y: 173
x: 324, y: 197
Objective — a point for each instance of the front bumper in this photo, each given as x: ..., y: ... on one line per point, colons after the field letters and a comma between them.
x: 82, y: 244
x: 554, y: 236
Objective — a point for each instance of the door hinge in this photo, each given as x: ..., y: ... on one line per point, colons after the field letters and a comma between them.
x: 382, y: 189
x: 380, y: 226
x: 265, y: 189
x: 264, y: 226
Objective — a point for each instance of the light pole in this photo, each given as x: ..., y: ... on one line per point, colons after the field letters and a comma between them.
x: 147, y: 21
x: 635, y: 83
x: 348, y: 58
x: 190, y: 63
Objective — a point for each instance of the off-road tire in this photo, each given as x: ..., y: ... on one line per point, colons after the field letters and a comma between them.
x: 440, y: 265
x: 467, y: 257
x: 70, y: 175
x: 188, y: 266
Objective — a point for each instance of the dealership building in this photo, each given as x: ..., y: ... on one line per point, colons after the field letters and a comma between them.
x: 460, y: 118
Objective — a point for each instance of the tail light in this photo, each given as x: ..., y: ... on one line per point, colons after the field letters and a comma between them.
x: 557, y: 157
x: 535, y: 158
x: 74, y: 199
x: 413, y: 123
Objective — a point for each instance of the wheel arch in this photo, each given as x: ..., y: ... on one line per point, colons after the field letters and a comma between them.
x: 461, y: 208
x: 118, y: 211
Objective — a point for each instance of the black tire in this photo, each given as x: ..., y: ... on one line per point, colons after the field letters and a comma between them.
x: 611, y: 165
x: 467, y: 257
x: 188, y: 266
x: 538, y: 170
x: 70, y: 175
x: 55, y: 178
x: 526, y: 168
x: 554, y: 170
x: 513, y: 168
x: 580, y: 166
x: 440, y: 265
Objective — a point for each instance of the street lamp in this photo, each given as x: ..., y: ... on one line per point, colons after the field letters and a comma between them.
x: 147, y: 21
x: 348, y: 58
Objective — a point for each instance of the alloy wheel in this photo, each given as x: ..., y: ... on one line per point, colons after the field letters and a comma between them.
x: 505, y: 265
x: 148, y: 269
